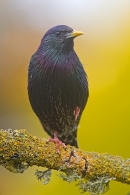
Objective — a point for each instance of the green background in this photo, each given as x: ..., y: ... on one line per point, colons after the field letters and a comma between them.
x: 104, y: 50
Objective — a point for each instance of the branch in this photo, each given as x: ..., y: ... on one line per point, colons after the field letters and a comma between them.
x: 93, y: 171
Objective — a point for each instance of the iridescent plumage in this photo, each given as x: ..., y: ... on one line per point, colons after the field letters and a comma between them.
x: 57, y: 84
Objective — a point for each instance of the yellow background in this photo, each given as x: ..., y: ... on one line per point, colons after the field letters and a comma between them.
x: 104, y: 50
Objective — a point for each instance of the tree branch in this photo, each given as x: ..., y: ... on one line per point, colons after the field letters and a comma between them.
x: 93, y: 171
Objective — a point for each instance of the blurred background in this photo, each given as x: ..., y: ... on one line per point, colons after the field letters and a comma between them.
x: 104, y: 50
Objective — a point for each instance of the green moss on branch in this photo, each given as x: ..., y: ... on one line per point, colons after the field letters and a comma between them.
x: 19, y: 150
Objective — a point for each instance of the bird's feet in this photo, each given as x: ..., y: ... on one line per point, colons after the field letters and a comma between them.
x: 56, y: 141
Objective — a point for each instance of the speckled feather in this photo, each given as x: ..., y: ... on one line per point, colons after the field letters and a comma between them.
x: 57, y: 84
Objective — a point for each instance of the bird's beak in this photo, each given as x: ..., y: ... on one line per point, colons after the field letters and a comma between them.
x: 74, y: 34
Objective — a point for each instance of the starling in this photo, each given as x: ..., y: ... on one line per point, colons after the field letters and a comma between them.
x: 57, y: 84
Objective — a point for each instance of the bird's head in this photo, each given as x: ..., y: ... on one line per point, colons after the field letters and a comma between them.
x: 59, y: 38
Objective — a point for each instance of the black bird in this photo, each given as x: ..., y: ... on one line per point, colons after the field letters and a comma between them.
x: 57, y: 84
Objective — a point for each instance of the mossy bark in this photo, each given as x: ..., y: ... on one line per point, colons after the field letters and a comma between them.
x: 19, y: 150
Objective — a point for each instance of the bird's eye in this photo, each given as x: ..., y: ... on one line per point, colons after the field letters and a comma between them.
x: 58, y: 34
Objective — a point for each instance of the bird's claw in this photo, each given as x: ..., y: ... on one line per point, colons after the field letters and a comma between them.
x: 57, y: 142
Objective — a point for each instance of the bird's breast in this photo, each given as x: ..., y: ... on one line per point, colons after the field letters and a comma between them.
x: 56, y: 88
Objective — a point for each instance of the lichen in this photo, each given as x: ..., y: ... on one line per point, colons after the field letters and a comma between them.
x: 90, y: 170
x: 95, y: 187
x: 44, y: 176
x: 70, y: 176
x: 17, y: 167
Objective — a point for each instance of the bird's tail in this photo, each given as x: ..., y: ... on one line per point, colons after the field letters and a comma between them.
x: 70, y: 140
x: 74, y: 143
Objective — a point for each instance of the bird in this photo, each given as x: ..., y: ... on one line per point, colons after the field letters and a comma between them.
x: 58, y: 85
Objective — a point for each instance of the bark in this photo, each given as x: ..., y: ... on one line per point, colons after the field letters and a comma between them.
x: 93, y: 171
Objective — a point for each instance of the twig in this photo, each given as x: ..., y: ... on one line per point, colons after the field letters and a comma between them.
x: 93, y: 171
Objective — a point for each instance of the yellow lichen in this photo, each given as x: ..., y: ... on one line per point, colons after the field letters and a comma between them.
x: 19, y: 150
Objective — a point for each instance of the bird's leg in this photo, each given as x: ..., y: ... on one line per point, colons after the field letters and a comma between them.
x: 76, y: 112
x: 56, y: 141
